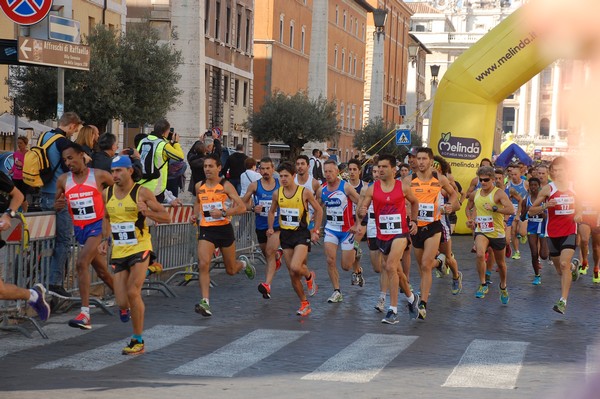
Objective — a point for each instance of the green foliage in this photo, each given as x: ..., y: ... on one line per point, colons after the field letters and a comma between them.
x: 379, y: 137
x: 294, y: 120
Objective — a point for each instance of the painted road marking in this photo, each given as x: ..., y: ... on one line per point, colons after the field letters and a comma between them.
x: 240, y: 354
x: 489, y: 364
x: 109, y: 355
x: 362, y: 360
x: 55, y: 332
x: 592, y: 364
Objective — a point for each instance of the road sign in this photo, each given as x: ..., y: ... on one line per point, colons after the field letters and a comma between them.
x: 26, y: 12
x: 8, y: 52
x: 64, y: 29
x: 62, y: 55
x: 403, y: 137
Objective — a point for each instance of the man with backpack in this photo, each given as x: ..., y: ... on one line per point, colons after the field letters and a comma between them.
x: 315, y: 169
x: 42, y: 166
x: 155, y: 151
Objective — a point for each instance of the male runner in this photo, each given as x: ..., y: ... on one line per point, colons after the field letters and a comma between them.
x: 389, y: 203
x: 81, y: 191
x: 261, y: 192
x: 336, y: 196
x: 127, y: 207
x: 215, y: 229
x: 561, y: 227
x: 590, y: 227
x: 515, y: 182
x: 485, y: 212
x: 358, y: 184
x: 426, y: 185
x: 536, y: 230
x: 292, y: 201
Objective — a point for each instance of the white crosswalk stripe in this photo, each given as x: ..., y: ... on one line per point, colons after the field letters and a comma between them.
x: 240, y: 354
x: 489, y: 364
x: 592, y: 363
x: 362, y: 360
x: 55, y: 332
x: 109, y: 355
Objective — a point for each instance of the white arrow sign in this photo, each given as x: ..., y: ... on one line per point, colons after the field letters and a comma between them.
x: 24, y: 49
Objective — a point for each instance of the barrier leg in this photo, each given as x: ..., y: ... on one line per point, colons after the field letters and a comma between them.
x: 5, y: 326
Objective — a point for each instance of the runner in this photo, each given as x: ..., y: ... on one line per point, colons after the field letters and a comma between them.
x: 516, y: 183
x: 261, y: 192
x: 293, y: 203
x: 80, y: 190
x: 536, y: 230
x: 127, y: 207
x: 389, y: 203
x: 561, y: 228
x: 427, y: 185
x: 358, y: 184
x: 485, y: 213
x: 36, y: 296
x: 215, y: 229
x: 336, y: 196
x: 590, y: 227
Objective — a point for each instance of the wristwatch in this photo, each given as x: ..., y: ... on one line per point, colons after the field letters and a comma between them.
x: 494, y: 208
x: 224, y: 213
x: 10, y: 212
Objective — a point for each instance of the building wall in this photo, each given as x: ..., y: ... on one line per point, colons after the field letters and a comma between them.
x: 7, y: 31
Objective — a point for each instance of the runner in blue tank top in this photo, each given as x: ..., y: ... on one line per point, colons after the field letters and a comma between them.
x: 516, y: 189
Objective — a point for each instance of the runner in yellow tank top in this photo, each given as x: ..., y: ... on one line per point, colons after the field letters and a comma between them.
x: 127, y: 207
x: 485, y: 214
x: 426, y: 185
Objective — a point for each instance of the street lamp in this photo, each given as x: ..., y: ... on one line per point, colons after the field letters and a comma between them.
x: 413, y: 51
x: 379, y: 18
x: 435, y: 71
x: 377, y: 83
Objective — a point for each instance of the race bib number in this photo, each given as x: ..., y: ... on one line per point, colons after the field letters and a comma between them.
x: 335, y: 217
x: 266, y: 205
x: 564, y: 206
x: 123, y: 233
x: 83, y: 208
x: 535, y: 218
x: 485, y: 224
x: 390, y: 224
x: 206, y: 208
x: 425, y: 212
x: 289, y: 217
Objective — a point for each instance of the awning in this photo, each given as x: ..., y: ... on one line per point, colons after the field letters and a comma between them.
x: 278, y: 146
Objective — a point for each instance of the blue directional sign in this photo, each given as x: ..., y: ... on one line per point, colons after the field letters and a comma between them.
x: 403, y: 137
x: 64, y: 29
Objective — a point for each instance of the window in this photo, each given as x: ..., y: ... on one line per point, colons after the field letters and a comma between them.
x: 343, y: 58
x: 351, y: 23
x: 547, y: 77
x: 342, y: 115
x: 363, y: 31
x: 344, y: 20
x: 206, y: 16
x: 281, y: 28
x: 335, y: 54
x: 238, y: 32
x: 337, y: 15
x: 248, y: 33
x: 362, y: 68
x: 354, y: 67
x: 236, y: 90
x: 225, y: 88
x: 91, y: 24
x: 353, y: 117
x: 349, y: 62
x: 228, y: 25
x: 419, y: 28
x: 235, y: 141
x: 545, y: 127
x: 356, y: 29
x: 217, y: 20
x: 348, y: 116
x: 245, y: 143
x: 245, y: 99
x: 302, y: 38
x: 292, y: 34
x: 224, y: 141
x: 360, y: 115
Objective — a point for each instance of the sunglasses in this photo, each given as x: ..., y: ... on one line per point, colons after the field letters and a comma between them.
x: 484, y: 180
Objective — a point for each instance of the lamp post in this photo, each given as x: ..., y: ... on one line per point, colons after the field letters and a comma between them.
x: 413, y: 52
x: 435, y: 71
x: 376, y: 98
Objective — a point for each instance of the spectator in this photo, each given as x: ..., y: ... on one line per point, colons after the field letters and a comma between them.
x: 195, y: 158
x: 176, y: 178
x: 155, y: 151
x: 235, y: 166
x: 17, y: 170
x: 213, y: 144
x: 249, y: 176
x: 87, y: 138
x: 315, y: 168
x: 68, y: 124
x: 107, y: 149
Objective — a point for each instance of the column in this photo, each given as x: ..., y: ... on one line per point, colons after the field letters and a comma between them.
x: 534, y: 117
x: 555, y: 93
x: 377, y: 83
x: 521, y: 128
x: 317, y: 65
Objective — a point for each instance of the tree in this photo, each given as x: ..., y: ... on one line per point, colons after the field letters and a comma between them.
x: 378, y: 137
x: 294, y: 120
x: 126, y: 73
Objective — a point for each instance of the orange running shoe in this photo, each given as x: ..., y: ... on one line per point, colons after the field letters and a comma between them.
x: 312, y: 284
x: 278, y: 257
x: 304, y: 309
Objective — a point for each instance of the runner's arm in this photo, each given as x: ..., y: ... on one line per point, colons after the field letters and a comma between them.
x: 414, y: 202
x: 452, y: 196
x: 246, y: 198
x: 272, y: 210
x: 507, y: 207
x: 470, y: 211
x: 309, y: 198
x: 59, y: 197
x: 153, y: 209
x: 351, y: 193
x: 363, y: 208
x: 239, y: 207
x: 536, y: 207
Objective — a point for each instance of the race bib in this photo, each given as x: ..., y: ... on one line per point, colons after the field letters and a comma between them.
x: 485, y: 224
x: 335, y: 217
x: 390, y: 224
x: 266, y: 205
x: 206, y: 208
x: 289, y: 217
x: 425, y: 212
x: 83, y: 208
x: 123, y: 233
x: 564, y: 206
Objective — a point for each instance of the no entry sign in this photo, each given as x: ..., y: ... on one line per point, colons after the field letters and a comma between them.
x: 26, y: 12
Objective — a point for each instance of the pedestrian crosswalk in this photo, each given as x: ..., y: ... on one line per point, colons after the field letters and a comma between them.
x: 353, y: 358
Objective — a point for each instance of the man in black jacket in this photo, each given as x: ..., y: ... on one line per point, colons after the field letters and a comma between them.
x: 235, y: 165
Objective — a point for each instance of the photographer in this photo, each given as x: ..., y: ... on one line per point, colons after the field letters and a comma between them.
x: 107, y: 144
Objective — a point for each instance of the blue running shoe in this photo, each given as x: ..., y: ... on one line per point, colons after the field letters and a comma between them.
x: 125, y: 315
x: 390, y: 317
x: 504, y: 297
x: 537, y: 280
x: 481, y: 291
x: 40, y: 305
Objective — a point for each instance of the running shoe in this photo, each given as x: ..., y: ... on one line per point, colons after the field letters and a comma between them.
x: 265, y: 290
x: 358, y: 279
x: 457, y: 284
x: 516, y: 255
x: 81, y: 321
x: 40, y: 305
x: 508, y: 251
x: 504, y: 297
x: 413, y: 307
x: 390, y: 317
x: 560, y: 307
x: 596, y: 277
x: 125, y: 315
x: 488, y: 277
x: 59, y: 291
x: 380, y: 305
x: 203, y: 308
x: 440, y: 269
x: 522, y: 239
x: 311, y: 285
x: 336, y: 297
x: 135, y: 347
x: 583, y: 269
x: 354, y: 279
x: 155, y: 268
x: 278, y: 257
x: 537, y: 279
x: 250, y: 270
x: 304, y: 309
x: 422, y: 312
x: 481, y: 291
x: 575, y: 269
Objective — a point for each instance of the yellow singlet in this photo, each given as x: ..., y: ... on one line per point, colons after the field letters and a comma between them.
x: 490, y: 223
x: 293, y: 214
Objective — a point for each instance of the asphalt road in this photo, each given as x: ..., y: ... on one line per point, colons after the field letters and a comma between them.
x: 252, y: 347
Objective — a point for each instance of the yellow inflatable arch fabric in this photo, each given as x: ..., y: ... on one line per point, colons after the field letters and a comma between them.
x: 466, y: 102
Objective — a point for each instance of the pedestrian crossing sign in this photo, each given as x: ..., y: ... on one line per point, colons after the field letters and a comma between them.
x: 403, y: 137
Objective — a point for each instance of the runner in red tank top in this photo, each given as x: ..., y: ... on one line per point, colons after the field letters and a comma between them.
x: 561, y: 229
x: 389, y: 203
x: 81, y: 191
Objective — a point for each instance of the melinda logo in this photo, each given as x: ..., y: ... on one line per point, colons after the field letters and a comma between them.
x: 458, y: 147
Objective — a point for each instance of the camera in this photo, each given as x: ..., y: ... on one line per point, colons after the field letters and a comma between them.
x: 171, y: 133
x: 128, y: 151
